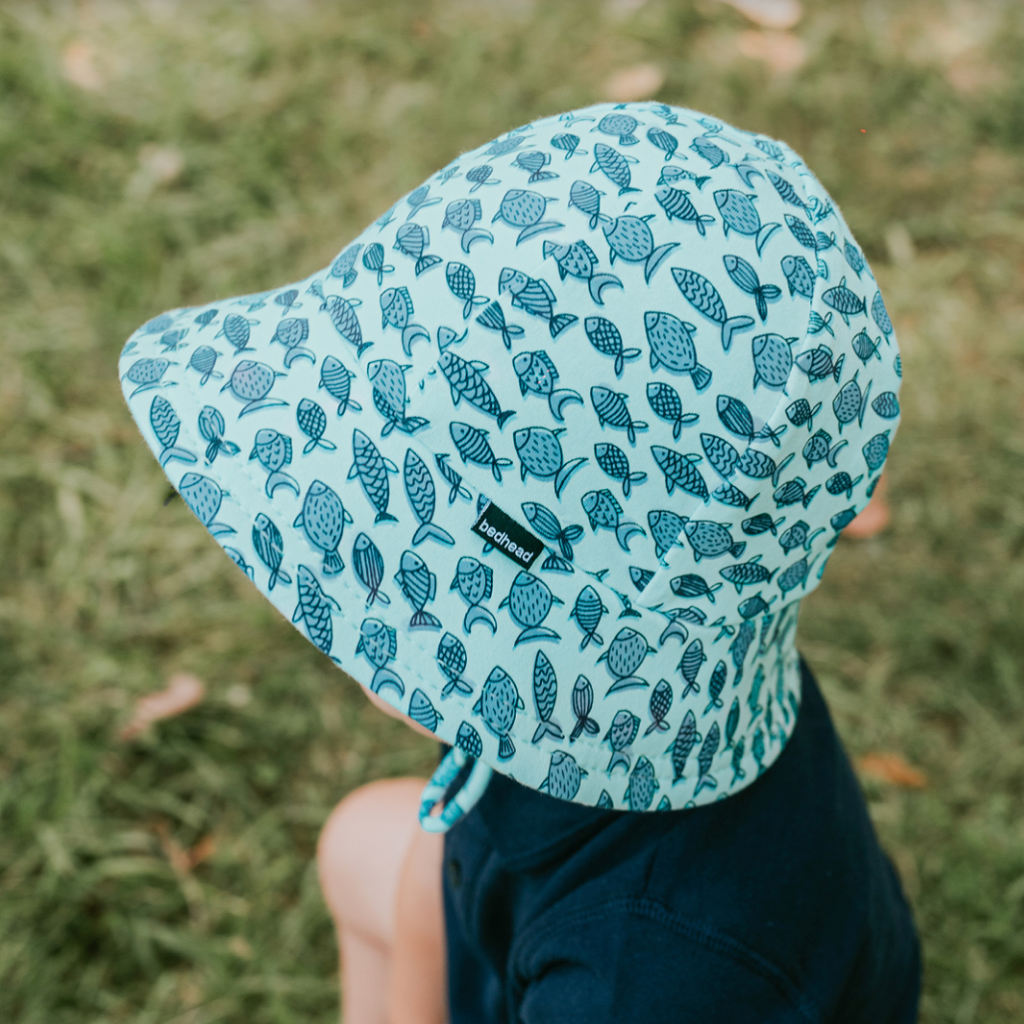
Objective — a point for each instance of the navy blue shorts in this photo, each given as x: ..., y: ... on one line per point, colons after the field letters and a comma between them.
x: 777, y: 904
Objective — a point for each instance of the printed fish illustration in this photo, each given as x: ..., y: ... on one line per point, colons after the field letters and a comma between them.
x: 729, y: 494
x: 587, y: 199
x: 379, y: 645
x: 587, y: 612
x: 864, y: 348
x: 537, y: 374
x: 854, y: 257
x: 692, y: 585
x: 540, y: 453
x: 312, y: 422
x: 451, y: 660
x: 314, y: 610
x: 292, y: 332
x: 203, y: 360
x: 466, y: 381
x: 731, y: 723
x: 619, y: 737
x: 706, y: 758
x: 534, y: 296
x: 422, y: 711
x: 534, y: 161
x: 624, y: 656
x: 323, y: 517
x: 673, y: 173
x: 711, y: 540
x: 494, y: 318
x: 747, y: 573
x: 603, y: 510
x: 449, y: 172
x: 368, y: 563
x: 211, y: 428
x: 738, y: 651
x: 881, y: 316
x: 274, y: 450
x: 737, y: 419
x: 739, y: 213
x: 269, y: 547
x: 799, y: 276
x: 372, y: 470
x: 640, y: 577
x: 611, y: 409
x: 671, y: 341
x: 545, y: 690
x: 373, y: 260
x: 661, y: 701
x: 529, y: 601
x: 704, y: 297
x: 205, y: 318
x: 171, y: 340
x: 344, y: 265
x: 798, y: 535
x: 845, y: 302
x: 849, y: 404
x: 419, y: 585
x: 745, y: 278
x: 462, y: 215
x: 251, y: 382
x: 630, y: 239
x: 795, y: 575
x: 474, y: 582
x: 737, y: 761
x: 792, y: 493
x: 411, y: 240
x: 146, y: 373
x: 841, y: 483
x: 809, y: 240
x: 665, y: 402
x: 664, y: 140
x: 419, y: 489
x: 462, y: 283
x: 453, y: 479
x: 337, y: 379
x: 682, y: 746
x: 800, y: 412
x: 689, y: 665
x: 605, y: 337
x: 676, y: 204
x: 817, y: 364
x: 622, y: 125
x: 506, y: 145
x: 875, y: 451
x: 564, y: 776
x: 523, y: 209
x: 759, y: 466
x: 389, y: 396
x: 481, y: 176
x: 773, y: 360
x: 761, y: 523
x: 568, y: 143
x: 714, y: 155
x: 681, y: 471
x: 342, y: 314
x: 236, y: 330
x: 614, y: 165
x: 579, y: 260
x: 546, y: 523
x: 747, y: 171
x: 418, y: 199
x: 397, y: 310
x: 666, y: 529
x: 615, y: 463
x: 473, y: 447
x: 886, y: 405
x: 786, y: 191
x: 167, y: 425
x: 158, y: 324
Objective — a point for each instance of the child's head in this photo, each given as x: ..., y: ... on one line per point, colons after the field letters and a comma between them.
x: 631, y: 378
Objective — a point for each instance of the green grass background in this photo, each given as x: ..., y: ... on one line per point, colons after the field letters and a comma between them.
x: 298, y: 123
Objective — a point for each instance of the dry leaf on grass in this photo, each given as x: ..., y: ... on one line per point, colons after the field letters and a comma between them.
x: 891, y: 767
x: 780, y: 14
x: 639, y: 82
x: 182, y: 692
x: 781, y: 51
x: 184, y: 861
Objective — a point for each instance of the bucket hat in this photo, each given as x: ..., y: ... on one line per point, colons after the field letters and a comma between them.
x: 549, y: 455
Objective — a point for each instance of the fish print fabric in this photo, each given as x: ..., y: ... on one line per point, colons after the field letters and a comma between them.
x: 648, y: 337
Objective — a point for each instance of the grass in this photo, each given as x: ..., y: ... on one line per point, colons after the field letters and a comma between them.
x: 172, y: 879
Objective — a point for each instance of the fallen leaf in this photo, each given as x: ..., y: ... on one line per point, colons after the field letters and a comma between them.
x: 891, y: 767
x: 779, y: 14
x: 639, y: 82
x: 781, y: 51
x: 78, y: 65
x: 202, y: 851
x: 182, y: 692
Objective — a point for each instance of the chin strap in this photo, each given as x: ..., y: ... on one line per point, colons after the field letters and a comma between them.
x: 462, y: 801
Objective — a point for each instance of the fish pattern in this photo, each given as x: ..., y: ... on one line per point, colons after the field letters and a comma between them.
x: 619, y: 353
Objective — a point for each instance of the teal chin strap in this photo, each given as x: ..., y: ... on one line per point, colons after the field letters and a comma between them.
x: 463, y: 801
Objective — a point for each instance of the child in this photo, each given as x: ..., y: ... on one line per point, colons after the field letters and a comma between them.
x: 571, y: 542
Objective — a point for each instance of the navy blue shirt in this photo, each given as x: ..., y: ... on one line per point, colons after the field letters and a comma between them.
x: 774, y: 905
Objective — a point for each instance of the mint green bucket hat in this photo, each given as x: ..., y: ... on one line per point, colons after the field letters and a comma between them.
x: 549, y: 455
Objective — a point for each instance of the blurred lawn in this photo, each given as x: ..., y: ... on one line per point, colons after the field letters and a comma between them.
x: 210, y: 149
